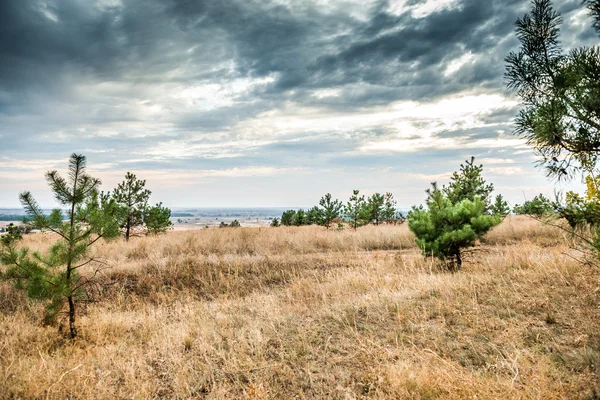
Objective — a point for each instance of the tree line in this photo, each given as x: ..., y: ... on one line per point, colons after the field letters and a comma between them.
x: 358, y: 211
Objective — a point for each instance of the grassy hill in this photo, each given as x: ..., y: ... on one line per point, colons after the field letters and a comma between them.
x: 306, y: 313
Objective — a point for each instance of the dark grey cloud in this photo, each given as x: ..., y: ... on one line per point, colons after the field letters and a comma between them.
x: 304, y: 47
x: 213, y: 85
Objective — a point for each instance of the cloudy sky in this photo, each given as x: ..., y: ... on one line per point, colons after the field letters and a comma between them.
x: 264, y: 103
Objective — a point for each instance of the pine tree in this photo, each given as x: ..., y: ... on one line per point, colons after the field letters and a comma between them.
x: 444, y: 228
x: 560, y: 92
x: 330, y: 210
x: 375, y: 208
x: 157, y: 219
x: 133, y: 198
x: 275, y: 222
x: 356, y: 210
x: 500, y: 206
x: 389, y: 209
x: 55, y: 278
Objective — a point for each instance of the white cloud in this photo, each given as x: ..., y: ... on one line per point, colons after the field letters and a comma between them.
x: 420, y: 9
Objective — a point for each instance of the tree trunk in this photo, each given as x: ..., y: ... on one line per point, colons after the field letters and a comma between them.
x: 127, y: 228
x: 72, y: 329
x: 458, y: 260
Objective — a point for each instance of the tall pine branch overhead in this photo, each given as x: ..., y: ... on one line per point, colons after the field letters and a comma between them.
x: 559, y: 92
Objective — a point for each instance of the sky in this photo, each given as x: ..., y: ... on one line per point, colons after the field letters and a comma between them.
x: 265, y: 103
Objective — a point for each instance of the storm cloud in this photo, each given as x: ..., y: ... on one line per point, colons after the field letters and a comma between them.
x: 290, y: 98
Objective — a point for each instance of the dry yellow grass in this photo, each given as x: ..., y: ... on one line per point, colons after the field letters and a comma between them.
x: 308, y: 313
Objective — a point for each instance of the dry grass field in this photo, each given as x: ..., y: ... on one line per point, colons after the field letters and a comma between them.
x: 277, y: 313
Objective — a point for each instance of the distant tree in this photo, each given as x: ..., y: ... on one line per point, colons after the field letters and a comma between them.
x: 375, y: 208
x: 445, y: 228
x: 132, y: 198
x: 330, y: 210
x: 500, y: 206
x: 540, y: 205
x: 54, y: 278
x: 560, y: 92
x: 356, y: 210
x: 314, y: 216
x: 235, y: 224
x: 157, y: 219
x: 300, y: 218
x: 275, y: 223
x: 389, y: 209
x: 468, y: 183
x: 288, y: 217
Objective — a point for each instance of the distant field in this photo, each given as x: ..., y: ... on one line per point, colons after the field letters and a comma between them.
x: 189, y: 218
x: 301, y: 312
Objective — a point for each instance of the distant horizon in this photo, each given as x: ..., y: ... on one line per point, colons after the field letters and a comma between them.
x: 203, y: 208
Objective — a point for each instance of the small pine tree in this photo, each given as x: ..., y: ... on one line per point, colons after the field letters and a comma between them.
x: 132, y: 197
x: 356, y: 210
x: 375, y: 208
x: 500, y: 206
x: 275, y: 222
x: 389, y: 209
x: 235, y: 224
x: 157, y: 219
x: 445, y: 228
x: 54, y: 278
x: 330, y: 210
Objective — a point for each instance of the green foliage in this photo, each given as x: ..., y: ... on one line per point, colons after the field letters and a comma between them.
x: 560, y: 92
x: 235, y: 224
x: 54, y: 277
x: 288, y: 217
x: 583, y: 216
x: 455, y: 216
x: 275, y: 222
x: 390, y: 214
x: 157, y: 219
x: 330, y: 210
x: 300, y: 218
x: 314, y: 216
x: 468, y: 183
x: 540, y: 205
x: 375, y: 208
x: 356, y: 210
x: 500, y: 206
x: 132, y: 198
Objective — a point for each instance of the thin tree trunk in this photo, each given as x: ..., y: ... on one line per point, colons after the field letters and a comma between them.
x: 127, y: 228
x: 458, y: 260
x: 72, y: 329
